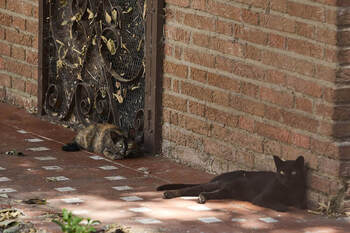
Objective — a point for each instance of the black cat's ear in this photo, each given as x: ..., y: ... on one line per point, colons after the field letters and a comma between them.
x: 278, y: 161
x: 300, y: 161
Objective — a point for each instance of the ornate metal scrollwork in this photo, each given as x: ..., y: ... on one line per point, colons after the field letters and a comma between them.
x: 97, y: 61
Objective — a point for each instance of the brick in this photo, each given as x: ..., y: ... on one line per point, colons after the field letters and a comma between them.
x: 248, y: 106
x: 246, y: 123
x: 2, y: 4
x: 304, y: 86
x: 330, y: 55
x: 275, y: 77
x: 230, y: 47
x: 5, y: 19
x: 224, y: 10
x: 195, y: 91
x: 18, y: 84
x: 305, y: 30
x: 199, y: 4
x: 300, y: 121
x: 272, y: 132
x: 5, y: 80
x: 250, y: 17
x: 32, y: 26
x: 182, y: 3
x: 5, y: 49
x: 178, y: 70
x: 344, y: 38
x: 218, y: 149
x: 176, y: 85
x: 303, y: 104
x: 199, y: 75
x: 277, y: 41
x: 32, y: 57
x: 174, y: 102
x: 31, y: 88
x: 221, y: 98
x: 200, y: 22
x: 253, y: 53
x: 344, y: 16
x: 341, y: 113
x: 18, y: 68
x: 197, y: 126
x: 18, y: 53
x: 304, y: 48
x: 278, y: 5
x: 344, y: 56
x: 305, y: 11
x: 197, y: 108
x: 166, y: 83
x: 300, y: 140
x: 245, y: 158
x: 177, y: 34
x: 322, y: 184
x: 272, y: 147
x: 278, y: 23
x: 281, y: 98
x: 329, y: 166
x: 326, y: 111
x: 324, y: 147
x: 273, y: 113
x: 200, y: 39
x: 326, y: 35
x: 199, y: 58
x: 19, y: 38
x: 19, y: 23
x: 250, y: 34
x: 223, y: 82
x: 328, y: 73
x: 219, y: 116
x: 250, y: 89
x: 21, y: 7
x: 224, y: 27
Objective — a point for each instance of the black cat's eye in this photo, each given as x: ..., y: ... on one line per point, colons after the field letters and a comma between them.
x: 282, y: 173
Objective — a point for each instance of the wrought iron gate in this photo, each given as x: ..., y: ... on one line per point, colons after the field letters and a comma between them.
x: 93, y: 62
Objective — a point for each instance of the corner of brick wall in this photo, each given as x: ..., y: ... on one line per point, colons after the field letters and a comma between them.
x: 248, y: 79
x: 19, y: 27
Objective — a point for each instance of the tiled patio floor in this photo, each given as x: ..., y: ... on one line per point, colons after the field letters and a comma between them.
x: 119, y: 191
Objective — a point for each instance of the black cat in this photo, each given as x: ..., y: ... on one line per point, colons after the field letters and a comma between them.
x: 275, y: 190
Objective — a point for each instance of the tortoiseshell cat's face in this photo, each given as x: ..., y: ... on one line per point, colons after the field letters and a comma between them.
x: 289, y: 172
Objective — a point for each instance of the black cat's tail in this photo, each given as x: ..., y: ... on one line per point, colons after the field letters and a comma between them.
x: 174, y: 186
x: 73, y: 146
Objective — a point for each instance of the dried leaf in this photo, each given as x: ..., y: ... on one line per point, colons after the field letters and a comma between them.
x: 119, y: 98
x: 108, y: 18
x: 91, y: 14
x: 114, y: 15
x: 128, y: 10
x: 111, y: 46
x: 104, y: 39
x: 64, y: 23
x: 117, y: 85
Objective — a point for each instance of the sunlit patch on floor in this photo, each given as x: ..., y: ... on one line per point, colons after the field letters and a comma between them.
x: 22, y: 131
x: 108, y: 167
x: 209, y: 220
x: 45, y: 158
x: 2, y: 169
x: 148, y: 221
x: 140, y: 210
x: 41, y: 148
x: 51, y: 167
x: 4, y: 179
x: 34, y: 140
x: 96, y: 157
x: 7, y: 190
x: 74, y: 200
x: 57, y: 178
x: 268, y: 220
x: 122, y: 188
x: 131, y: 198
x: 238, y: 220
x: 115, y: 178
x: 198, y: 207
x: 65, y: 189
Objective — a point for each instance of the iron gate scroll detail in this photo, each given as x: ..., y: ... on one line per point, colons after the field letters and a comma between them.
x: 96, y: 67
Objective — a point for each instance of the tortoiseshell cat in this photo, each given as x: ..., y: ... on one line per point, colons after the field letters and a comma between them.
x: 107, y: 139
x: 275, y: 190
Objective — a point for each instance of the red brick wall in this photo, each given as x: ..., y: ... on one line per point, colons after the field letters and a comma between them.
x: 19, y: 52
x: 247, y: 79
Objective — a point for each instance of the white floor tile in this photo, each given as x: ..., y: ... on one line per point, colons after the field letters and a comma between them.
x: 122, y: 188
x: 108, y: 167
x: 115, y: 177
x: 7, y: 190
x: 132, y: 198
x: 140, y: 210
x: 41, y: 148
x: 268, y: 220
x: 209, y: 220
x: 45, y: 158
x: 65, y: 189
x: 34, y: 140
x: 148, y: 221
x: 4, y: 179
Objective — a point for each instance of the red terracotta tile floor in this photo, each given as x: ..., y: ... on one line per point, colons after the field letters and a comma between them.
x: 120, y: 191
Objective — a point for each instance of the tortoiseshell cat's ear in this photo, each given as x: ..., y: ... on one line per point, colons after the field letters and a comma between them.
x: 300, y: 161
x: 114, y: 136
x: 278, y: 161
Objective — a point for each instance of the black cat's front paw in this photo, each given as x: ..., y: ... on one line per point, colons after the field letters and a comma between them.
x: 168, y: 195
x: 201, y: 198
